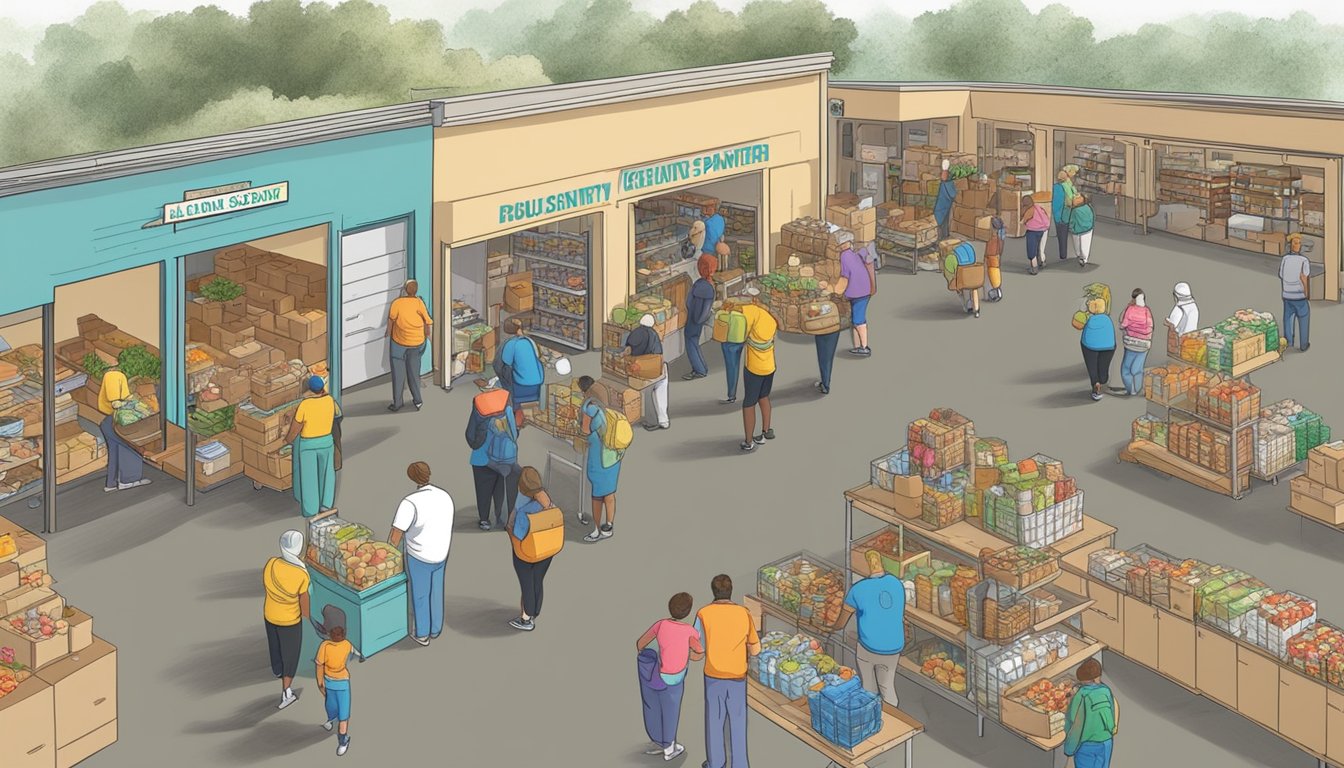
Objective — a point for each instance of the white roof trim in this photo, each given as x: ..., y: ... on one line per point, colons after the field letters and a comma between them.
x: 525, y: 102
x: 78, y: 169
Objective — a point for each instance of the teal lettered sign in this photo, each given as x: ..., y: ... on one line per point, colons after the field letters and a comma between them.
x: 583, y: 197
x: 711, y: 163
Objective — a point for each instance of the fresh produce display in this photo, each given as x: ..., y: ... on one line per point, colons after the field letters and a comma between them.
x: 995, y: 669
x: 1277, y: 619
x: 887, y: 544
x: 94, y: 365
x: 1051, y: 697
x: 221, y: 289
x: 1172, y: 382
x: 39, y: 625
x: 962, y: 171
x: 139, y: 363
x: 1228, y: 608
x: 1021, y: 565
x: 1319, y: 652
x: 132, y: 410
x: 791, y: 664
x: 11, y: 672
x: 943, y: 664
x: 211, y: 423
x: 805, y: 586
x: 1228, y: 402
x: 368, y: 563
x: 195, y: 356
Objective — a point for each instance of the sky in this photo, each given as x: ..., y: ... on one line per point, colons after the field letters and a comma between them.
x: 1109, y: 16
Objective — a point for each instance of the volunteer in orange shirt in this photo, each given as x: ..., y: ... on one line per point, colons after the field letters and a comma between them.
x: 728, y: 637
x: 408, y: 325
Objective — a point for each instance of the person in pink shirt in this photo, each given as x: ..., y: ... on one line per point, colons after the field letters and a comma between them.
x: 1136, y: 328
x: 1037, y: 221
x: 678, y: 645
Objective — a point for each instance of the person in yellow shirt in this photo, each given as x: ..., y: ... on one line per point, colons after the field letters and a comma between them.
x: 728, y: 636
x: 287, y: 604
x: 333, y: 682
x: 408, y: 326
x: 758, y: 375
x: 125, y: 467
x: 314, y: 454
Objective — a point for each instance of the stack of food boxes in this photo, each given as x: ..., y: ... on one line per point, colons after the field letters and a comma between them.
x: 51, y: 665
x: 1279, y: 617
x: 1320, y: 494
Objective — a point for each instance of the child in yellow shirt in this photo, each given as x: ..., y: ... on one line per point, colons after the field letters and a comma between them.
x: 333, y: 681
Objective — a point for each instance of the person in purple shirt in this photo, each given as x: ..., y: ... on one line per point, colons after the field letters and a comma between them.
x: 858, y: 283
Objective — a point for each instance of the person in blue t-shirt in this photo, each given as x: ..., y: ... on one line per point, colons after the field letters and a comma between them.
x: 519, y: 365
x: 714, y: 227
x: 879, y: 603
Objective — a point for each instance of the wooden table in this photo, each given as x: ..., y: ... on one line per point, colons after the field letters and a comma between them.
x: 795, y: 718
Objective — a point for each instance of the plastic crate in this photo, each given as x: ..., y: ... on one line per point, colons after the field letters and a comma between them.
x: 886, y: 469
x: 1275, y: 448
x: 847, y: 718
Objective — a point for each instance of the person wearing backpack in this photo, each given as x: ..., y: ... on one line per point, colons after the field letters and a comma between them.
x: 730, y: 330
x: 537, y: 532
x: 609, y: 435
x: 965, y: 276
x: 519, y: 365
x: 423, y: 528
x: 1082, y: 220
x: 492, y: 415
x: 1092, y: 720
x: 759, y: 376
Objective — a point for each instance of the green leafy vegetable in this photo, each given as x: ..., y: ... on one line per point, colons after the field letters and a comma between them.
x: 95, y: 366
x: 962, y: 171
x: 221, y: 289
x: 138, y: 363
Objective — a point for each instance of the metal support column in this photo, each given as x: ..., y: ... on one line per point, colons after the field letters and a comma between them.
x: 48, y: 418
x: 190, y: 471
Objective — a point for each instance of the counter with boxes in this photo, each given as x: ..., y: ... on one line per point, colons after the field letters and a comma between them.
x: 58, y: 680
x: 1319, y: 494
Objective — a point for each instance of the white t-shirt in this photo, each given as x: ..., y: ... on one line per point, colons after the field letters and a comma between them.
x: 426, y: 517
x: 1290, y: 273
x: 1185, y: 317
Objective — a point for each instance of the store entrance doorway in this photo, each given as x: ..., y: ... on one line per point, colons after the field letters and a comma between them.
x: 373, y: 270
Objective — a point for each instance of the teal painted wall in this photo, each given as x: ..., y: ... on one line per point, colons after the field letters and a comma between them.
x: 66, y: 235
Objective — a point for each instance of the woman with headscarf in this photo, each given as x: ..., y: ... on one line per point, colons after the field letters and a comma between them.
x: 1136, y: 327
x: 699, y: 312
x: 314, y: 454
x: 286, y: 608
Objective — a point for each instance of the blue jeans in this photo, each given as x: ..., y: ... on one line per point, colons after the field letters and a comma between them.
x: 338, y: 699
x: 826, y: 344
x: 426, y: 596
x: 1034, y: 244
x: 406, y: 370
x: 726, y: 702
x: 1093, y: 754
x: 693, y: 333
x: 1301, y: 310
x: 732, y: 364
x: 1131, y: 370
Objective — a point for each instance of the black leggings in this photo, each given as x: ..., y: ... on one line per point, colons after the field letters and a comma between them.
x: 530, y: 576
x: 286, y: 643
x: 1098, y: 363
x: 1062, y: 239
x: 492, y: 487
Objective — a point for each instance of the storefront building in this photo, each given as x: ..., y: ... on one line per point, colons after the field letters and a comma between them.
x: 127, y: 249
x: 558, y: 203
x: 1237, y: 172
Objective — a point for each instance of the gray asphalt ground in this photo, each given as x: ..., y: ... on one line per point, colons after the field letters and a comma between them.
x: 178, y: 589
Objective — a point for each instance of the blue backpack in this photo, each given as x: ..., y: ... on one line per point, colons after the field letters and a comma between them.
x: 501, y: 444
x: 965, y: 253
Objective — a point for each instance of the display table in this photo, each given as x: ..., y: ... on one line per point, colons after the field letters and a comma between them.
x: 796, y: 719
x: 375, y: 618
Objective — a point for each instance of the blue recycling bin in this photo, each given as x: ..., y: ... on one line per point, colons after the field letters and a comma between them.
x: 375, y: 618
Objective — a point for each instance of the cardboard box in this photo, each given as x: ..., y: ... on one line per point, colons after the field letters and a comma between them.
x: 976, y: 198
x: 85, y: 690
x: 214, y: 466
x: 235, y: 309
x: 315, y: 349
x: 266, y: 459
x: 85, y: 746
x: 267, y: 320
x: 231, y: 333
x: 1023, y: 718
x: 208, y: 312
x: 81, y: 629
x: 34, y: 654
x: 1314, y: 184
x: 1325, y: 464
x: 518, y: 292
x: 198, y: 331
x: 269, y: 299
x: 28, y: 726
x: 1316, y: 500
x: 1216, y: 232
x: 235, y: 384
x: 909, y: 507
x: 302, y: 326
x: 9, y: 577
x: 32, y: 548
x: 262, y: 429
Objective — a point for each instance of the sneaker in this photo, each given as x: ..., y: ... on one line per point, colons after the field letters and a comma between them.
x: 656, y: 749
x: 521, y: 624
x: 394, y: 408
x: 1096, y: 395
x: 1305, y: 347
x: 485, y: 525
x: 287, y: 698
x: 109, y: 488
x: 759, y: 439
x: 674, y: 753
x: 747, y: 446
x: 594, y: 536
x: 769, y: 434
x: 656, y: 427
x: 607, y: 531
x: 342, y: 744
x: 329, y: 724
x: 856, y: 351
x: 1032, y: 271
x: 823, y: 389
x: 136, y: 484
x: 418, y: 406
x: 728, y: 401
x: 422, y: 640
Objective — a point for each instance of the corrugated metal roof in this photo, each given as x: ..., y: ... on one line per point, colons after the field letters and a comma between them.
x: 79, y: 169
x: 1304, y: 107
x: 524, y: 102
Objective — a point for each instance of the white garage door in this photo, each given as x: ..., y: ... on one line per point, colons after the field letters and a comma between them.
x: 373, y: 269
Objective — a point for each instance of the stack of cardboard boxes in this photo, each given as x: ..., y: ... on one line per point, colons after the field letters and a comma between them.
x: 812, y: 240
x: 64, y: 706
x: 974, y: 207
x: 1320, y: 494
x: 849, y: 211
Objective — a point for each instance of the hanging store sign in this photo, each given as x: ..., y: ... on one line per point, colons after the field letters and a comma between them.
x: 695, y: 167
x: 547, y: 205
x: 221, y: 200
